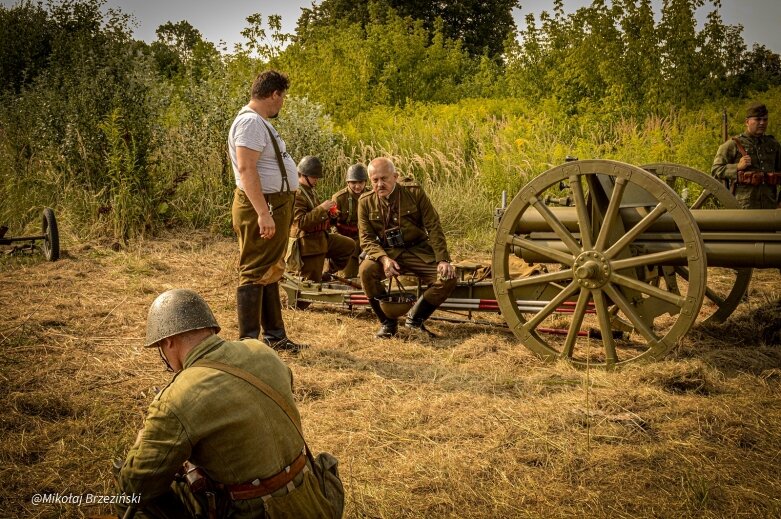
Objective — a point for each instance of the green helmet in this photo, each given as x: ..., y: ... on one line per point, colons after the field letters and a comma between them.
x: 177, y: 311
x: 357, y: 173
x: 310, y: 166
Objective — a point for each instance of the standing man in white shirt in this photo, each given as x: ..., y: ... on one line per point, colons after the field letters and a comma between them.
x: 266, y: 181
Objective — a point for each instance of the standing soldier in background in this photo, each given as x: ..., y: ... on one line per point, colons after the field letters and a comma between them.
x: 751, y: 162
x: 311, y: 222
x: 346, y: 217
x: 400, y: 232
x: 262, y: 209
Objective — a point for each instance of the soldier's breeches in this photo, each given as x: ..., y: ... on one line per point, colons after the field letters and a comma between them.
x: 372, y: 273
x: 350, y: 270
x: 340, y: 249
x: 256, y: 254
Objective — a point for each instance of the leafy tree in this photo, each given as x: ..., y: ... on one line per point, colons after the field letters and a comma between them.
x: 481, y: 25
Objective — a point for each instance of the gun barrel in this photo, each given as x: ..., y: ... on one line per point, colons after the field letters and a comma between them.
x: 733, y: 238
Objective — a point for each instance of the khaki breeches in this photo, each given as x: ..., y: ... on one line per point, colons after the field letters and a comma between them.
x: 372, y: 274
x: 260, y: 259
x: 340, y: 249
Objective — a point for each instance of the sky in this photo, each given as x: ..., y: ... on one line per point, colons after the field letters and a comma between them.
x: 223, y: 20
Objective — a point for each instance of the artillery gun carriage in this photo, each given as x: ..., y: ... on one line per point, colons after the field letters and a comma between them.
x: 624, y: 254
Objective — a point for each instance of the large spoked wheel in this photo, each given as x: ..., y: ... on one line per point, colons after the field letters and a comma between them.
x: 700, y: 191
x: 598, y: 283
x: 51, y: 240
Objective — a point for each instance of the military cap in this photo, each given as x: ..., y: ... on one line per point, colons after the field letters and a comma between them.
x: 310, y: 166
x: 756, y: 110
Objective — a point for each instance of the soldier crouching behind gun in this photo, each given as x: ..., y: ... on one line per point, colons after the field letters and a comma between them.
x: 213, y: 445
x: 400, y: 231
x: 751, y: 162
x: 345, y: 213
x: 311, y: 221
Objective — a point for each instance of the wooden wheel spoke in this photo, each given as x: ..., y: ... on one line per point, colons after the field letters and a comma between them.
x: 552, y: 305
x: 611, y: 213
x: 618, y: 298
x: 557, y: 227
x: 647, y: 289
x: 539, y: 279
x: 656, y: 258
x: 574, y: 327
x: 701, y: 199
x: 603, y: 314
x: 552, y: 254
x: 635, y: 231
x: 584, y: 221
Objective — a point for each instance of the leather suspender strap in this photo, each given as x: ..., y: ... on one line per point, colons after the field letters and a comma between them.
x: 278, y: 153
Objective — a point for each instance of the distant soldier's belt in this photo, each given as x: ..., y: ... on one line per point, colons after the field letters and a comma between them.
x: 756, y: 178
x: 264, y: 487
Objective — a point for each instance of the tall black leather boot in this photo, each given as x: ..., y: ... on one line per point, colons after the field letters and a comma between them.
x: 248, y: 309
x: 388, y: 327
x: 418, y: 315
x: 271, y: 318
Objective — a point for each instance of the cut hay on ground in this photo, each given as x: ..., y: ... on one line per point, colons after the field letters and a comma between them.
x: 469, y: 425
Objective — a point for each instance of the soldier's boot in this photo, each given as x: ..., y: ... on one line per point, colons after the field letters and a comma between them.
x: 248, y: 308
x: 271, y: 318
x: 417, y: 317
x: 388, y: 327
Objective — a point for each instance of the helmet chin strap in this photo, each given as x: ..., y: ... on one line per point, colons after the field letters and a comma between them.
x: 168, y: 366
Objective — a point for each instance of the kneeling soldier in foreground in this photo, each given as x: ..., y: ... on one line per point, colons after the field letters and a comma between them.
x: 400, y: 232
x: 212, y: 444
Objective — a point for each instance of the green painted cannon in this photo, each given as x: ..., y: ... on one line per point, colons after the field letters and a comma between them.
x: 631, y: 254
x: 619, y: 249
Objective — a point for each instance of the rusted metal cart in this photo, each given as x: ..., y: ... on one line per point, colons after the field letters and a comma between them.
x: 625, y: 250
x: 49, y: 238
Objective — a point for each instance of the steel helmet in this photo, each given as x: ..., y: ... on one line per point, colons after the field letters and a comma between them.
x: 310, y: 166
x: 177, y: 311
x: 357, y: 173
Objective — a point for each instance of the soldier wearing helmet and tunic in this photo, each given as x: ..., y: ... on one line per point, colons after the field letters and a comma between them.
x: 248, y: 448
x: 311, y: 224
x: 345, y: 214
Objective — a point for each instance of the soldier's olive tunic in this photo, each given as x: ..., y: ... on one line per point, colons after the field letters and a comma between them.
x: 418, y: 221
x: 409, y: 209
x: 347, y: 225
x: 311, y: 224
x: 765, y: 153
x: 218, y: 422
x: 347, y: 219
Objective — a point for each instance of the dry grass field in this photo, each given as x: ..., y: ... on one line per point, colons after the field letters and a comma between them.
x: 468, y: 425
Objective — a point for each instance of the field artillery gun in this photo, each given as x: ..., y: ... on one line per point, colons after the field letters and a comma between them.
x: 622, y: 257
x: 631, y: 255
x: 49, y: 238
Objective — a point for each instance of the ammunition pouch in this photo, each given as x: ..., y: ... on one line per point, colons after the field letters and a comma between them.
x: 207, y: 493
x: 756, y: 178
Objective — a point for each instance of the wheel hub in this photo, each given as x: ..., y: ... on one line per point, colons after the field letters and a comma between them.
x: 591, y: 269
